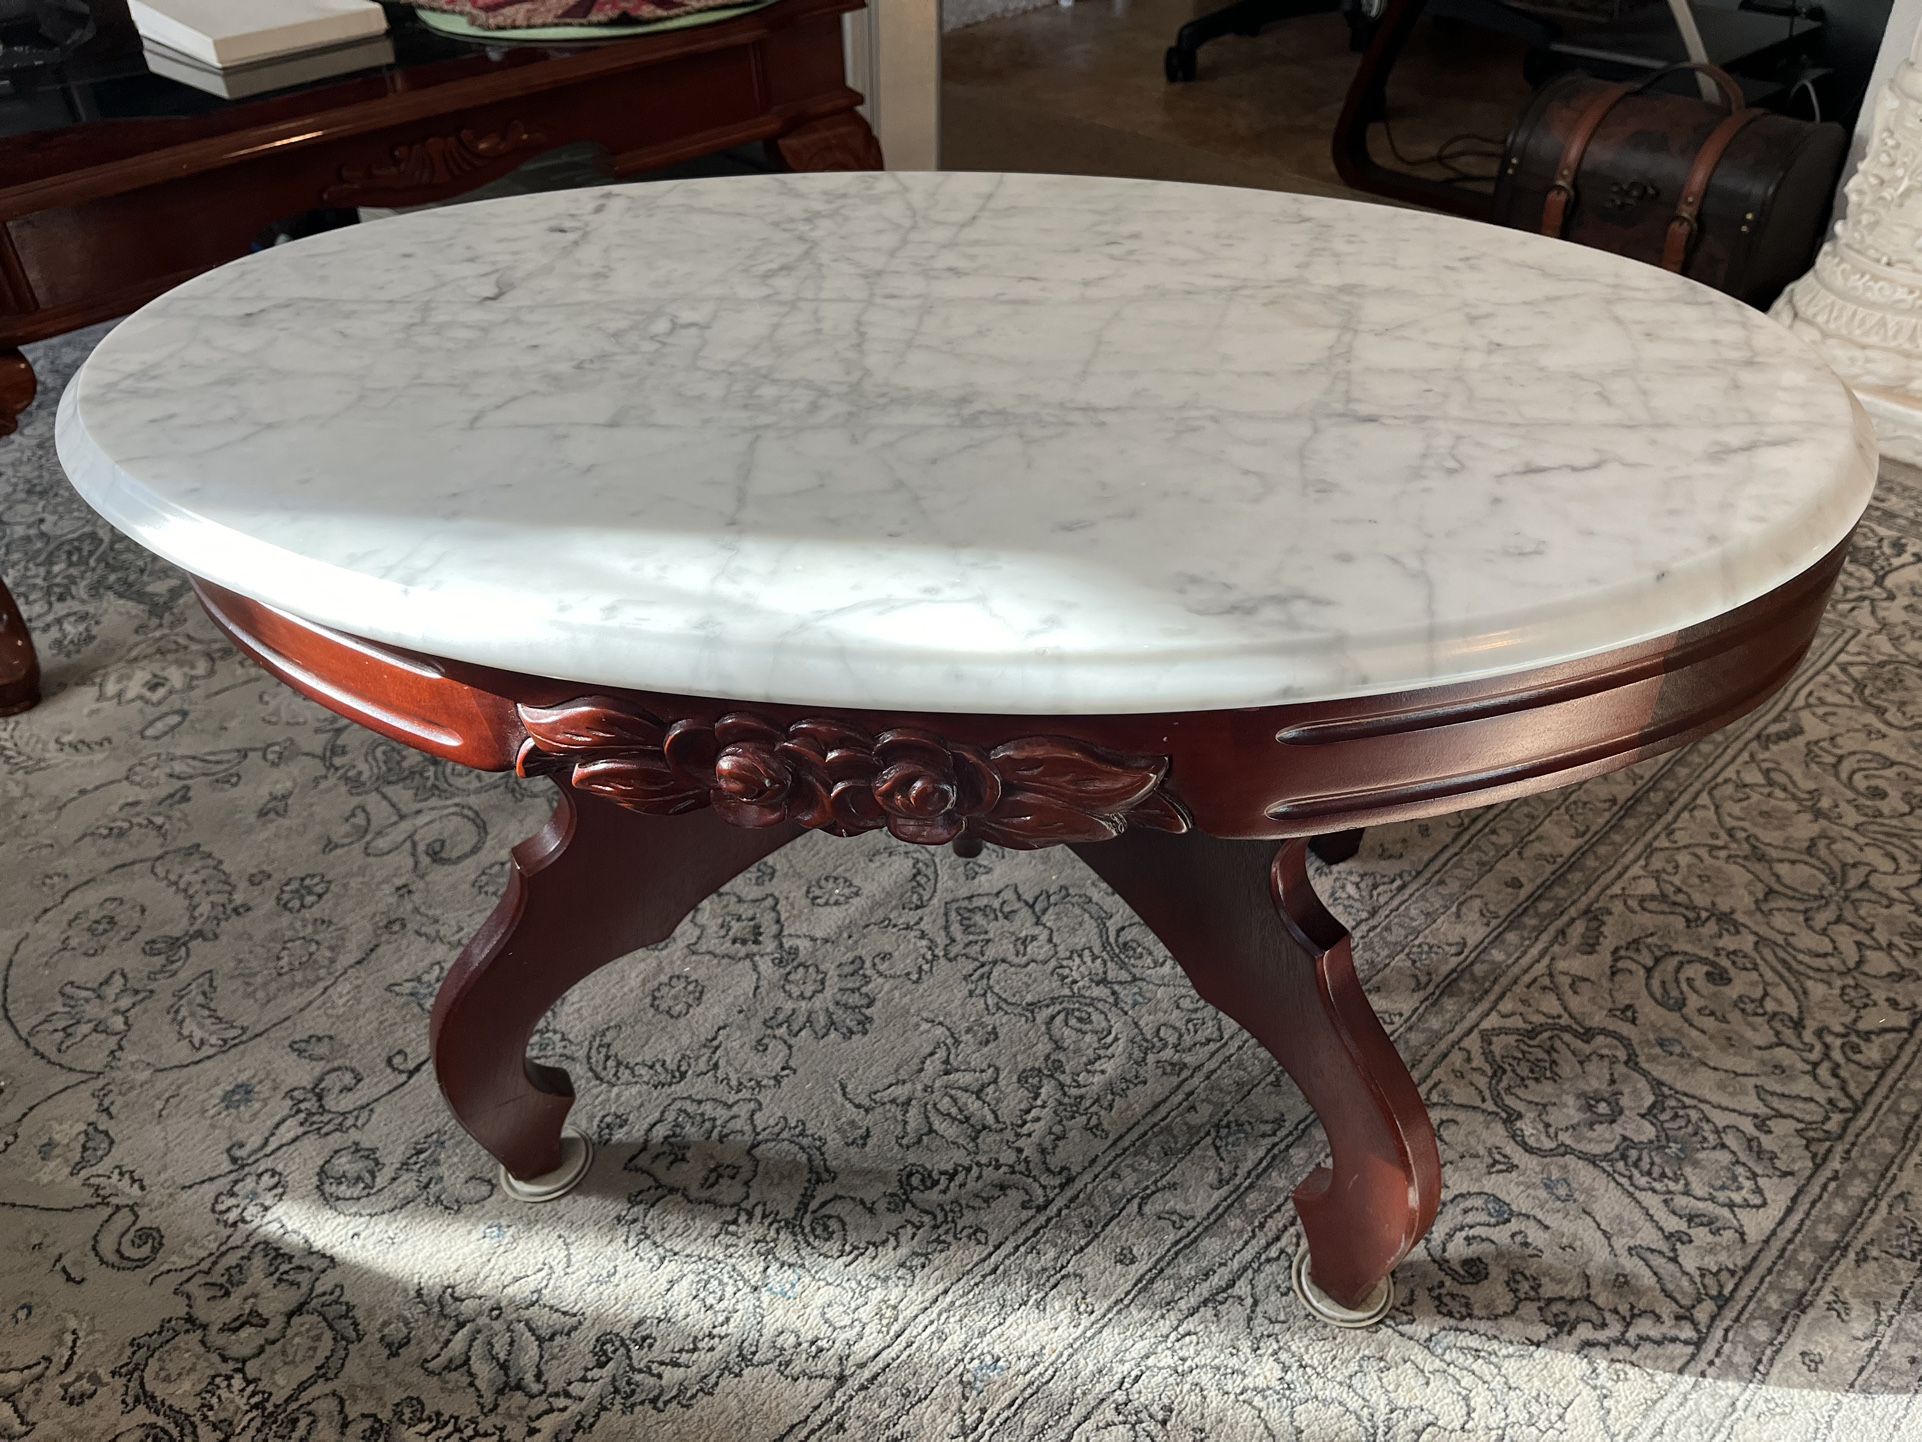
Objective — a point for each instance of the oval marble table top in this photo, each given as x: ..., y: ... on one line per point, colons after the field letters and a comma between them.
x: 969, y: 442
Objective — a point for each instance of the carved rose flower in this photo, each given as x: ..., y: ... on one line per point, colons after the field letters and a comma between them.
x: 828, y: 775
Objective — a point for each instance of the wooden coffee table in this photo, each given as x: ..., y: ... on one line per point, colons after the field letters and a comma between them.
x: 117, y: 184
x: 1176, y: 525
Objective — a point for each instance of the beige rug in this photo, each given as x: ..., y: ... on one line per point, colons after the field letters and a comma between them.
x: 958, y: 14
x: 897, y: 1146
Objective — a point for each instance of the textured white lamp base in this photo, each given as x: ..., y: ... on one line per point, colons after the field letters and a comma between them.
x: 1861, y: 302
x: 577, y: 1157
x: 1329, y: 1310
x: 1898, y: 422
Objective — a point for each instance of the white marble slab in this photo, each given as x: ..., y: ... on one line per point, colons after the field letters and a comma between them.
x: 969, y: 442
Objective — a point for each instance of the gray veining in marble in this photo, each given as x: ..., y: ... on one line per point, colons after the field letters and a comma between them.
x: 969, y: 442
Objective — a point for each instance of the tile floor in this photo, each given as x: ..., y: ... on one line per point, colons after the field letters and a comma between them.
x: 1080, y: 89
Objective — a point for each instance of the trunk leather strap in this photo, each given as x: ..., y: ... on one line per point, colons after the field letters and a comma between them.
x: 1561, y: 195
x: 1682, y: 229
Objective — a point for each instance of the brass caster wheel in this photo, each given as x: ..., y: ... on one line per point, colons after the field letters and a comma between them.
x: 1371, y: 1311
x: 577, y: 1156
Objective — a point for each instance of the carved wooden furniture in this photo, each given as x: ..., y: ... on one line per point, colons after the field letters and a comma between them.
x: 19, y: 666
x: 877, y: 505
x: 133, y: 183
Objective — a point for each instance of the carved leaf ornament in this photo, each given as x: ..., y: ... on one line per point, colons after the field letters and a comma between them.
x: 830, y: 776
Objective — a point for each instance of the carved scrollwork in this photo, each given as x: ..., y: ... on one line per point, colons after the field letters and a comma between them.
x: 838, y: 142
x: 1861, y: 302
x: 830, y: 776
x: 434, y: 163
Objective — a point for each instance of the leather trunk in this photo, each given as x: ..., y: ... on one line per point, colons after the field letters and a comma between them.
x: 1761, y: 214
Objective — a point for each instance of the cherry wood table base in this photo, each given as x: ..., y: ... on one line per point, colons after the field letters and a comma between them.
x: 1239, y: 917
x: 1259, y: 947
x: 594, y: 884
x: 1201, y: 822
x: 19, y: 666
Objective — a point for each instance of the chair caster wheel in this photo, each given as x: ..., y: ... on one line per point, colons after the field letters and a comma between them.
x: 1374, y: 1307
x: 577, y: 1156
x: 1178, y: 65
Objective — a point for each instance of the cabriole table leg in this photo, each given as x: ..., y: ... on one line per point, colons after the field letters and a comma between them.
x: 1292, y: 986
x: 594, y: 884
x: 19, y: 666
x: 17, y: 387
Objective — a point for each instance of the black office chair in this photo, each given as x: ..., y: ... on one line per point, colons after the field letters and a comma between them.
x: 1250, y: 17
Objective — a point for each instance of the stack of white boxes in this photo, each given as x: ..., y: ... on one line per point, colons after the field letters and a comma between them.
x: 245, y: 47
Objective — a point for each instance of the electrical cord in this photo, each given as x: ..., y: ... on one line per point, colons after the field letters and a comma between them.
x: 1457, y: 148
x: 1449, y: 156
x: 1815, y: 103
x: 1802, y: 82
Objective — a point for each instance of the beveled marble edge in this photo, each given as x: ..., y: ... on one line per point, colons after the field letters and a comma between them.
x: 798, y: 616
x: 503, y: 626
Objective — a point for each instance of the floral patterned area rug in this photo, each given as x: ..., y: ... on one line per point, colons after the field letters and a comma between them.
x: 895, y: 1145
